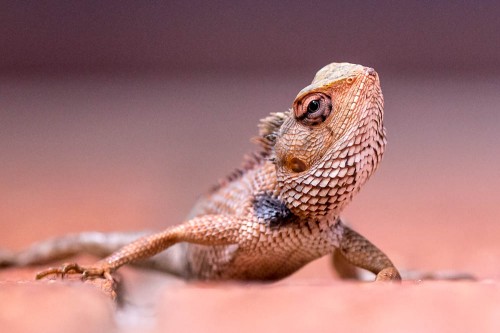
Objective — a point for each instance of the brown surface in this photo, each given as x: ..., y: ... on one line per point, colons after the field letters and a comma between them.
x: 47, y: 306
x: 333, y: 306
x: 123, y: 153
x: 158, y: 304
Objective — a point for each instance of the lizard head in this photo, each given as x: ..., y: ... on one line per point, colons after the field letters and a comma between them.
x: 332, y: 141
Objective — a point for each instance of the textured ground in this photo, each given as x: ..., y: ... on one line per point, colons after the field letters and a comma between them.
x: 127, y: 153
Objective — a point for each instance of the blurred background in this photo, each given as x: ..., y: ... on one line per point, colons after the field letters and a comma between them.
x: 116, y: 115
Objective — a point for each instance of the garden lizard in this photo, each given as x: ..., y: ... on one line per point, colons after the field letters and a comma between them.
x: 278, y: 212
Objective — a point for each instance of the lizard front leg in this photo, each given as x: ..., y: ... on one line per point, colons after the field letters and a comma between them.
x: 358, y: 251
x: 206, y: 230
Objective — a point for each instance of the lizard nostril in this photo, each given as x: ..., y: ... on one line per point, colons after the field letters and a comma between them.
x: 297, y: 165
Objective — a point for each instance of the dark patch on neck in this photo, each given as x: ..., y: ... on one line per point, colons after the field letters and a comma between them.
x: 272, y: 210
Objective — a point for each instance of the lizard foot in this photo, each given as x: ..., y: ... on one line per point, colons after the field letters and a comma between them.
x: 388, y: 274
x: 73, y: 268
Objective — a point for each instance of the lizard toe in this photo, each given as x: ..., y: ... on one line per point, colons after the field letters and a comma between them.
x: 388, y: 274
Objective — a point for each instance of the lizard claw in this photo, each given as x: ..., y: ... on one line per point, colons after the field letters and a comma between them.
x: 73, y: 268
x: 388, y: 274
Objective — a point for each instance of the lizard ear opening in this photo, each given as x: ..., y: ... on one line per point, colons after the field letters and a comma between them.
x: 313, y: 109
x: 297, y: 165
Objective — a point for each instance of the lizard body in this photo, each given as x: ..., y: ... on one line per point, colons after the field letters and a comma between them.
x: 278, y: 212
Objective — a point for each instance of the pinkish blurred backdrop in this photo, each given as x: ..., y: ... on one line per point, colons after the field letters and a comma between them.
x: 116, y: 115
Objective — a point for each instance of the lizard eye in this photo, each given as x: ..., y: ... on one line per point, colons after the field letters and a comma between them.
x: 313, y: 106
x: 313, y: 109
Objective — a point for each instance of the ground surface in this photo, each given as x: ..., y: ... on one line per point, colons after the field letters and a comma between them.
x: 127, y: 153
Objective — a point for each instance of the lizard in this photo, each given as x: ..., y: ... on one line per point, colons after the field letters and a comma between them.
x: 278, y: 212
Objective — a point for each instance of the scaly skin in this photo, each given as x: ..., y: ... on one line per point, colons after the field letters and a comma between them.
x: 277, y: 213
